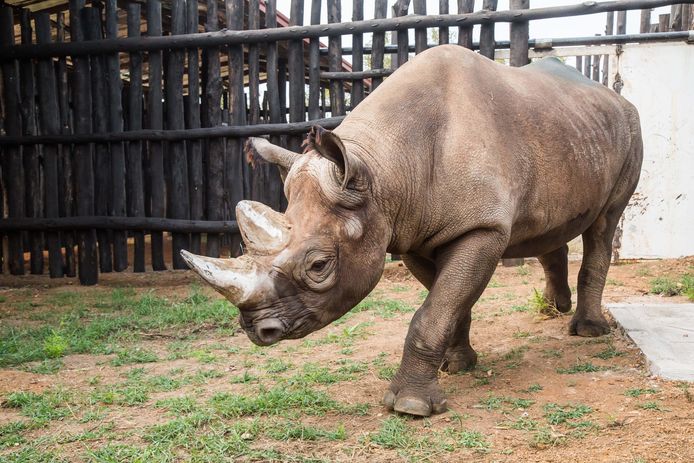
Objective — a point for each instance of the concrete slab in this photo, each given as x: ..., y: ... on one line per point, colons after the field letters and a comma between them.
x: 665, y: 334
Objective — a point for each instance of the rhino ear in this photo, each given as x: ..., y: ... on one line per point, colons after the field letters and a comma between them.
x: 330, y: 146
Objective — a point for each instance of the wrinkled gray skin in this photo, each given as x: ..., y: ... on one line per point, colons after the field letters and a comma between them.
x: 454, y: 162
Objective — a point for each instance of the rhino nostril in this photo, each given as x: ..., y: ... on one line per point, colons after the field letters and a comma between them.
x: 269, y: 330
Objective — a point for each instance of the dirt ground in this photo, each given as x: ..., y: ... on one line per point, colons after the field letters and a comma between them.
x: 537, y: 394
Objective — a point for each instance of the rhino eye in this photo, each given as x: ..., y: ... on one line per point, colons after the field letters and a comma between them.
x: 318, y: 265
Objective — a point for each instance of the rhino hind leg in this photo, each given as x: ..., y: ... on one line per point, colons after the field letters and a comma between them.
x: 556, y: 266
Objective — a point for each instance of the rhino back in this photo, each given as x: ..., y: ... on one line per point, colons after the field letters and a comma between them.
x: 458, y: 142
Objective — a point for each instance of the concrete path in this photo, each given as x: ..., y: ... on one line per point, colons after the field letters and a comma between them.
x: 665, y: 334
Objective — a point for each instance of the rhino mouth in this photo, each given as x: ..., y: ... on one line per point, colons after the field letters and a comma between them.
x: 270, y: 330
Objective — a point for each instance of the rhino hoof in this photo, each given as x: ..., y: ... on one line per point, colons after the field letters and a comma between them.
x: 455, y: 361
x: 413, y: 405
x: 588, y: 328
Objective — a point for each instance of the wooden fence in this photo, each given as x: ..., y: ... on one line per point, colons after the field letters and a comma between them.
x: 124, y: 126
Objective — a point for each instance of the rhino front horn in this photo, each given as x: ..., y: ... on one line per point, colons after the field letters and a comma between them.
x: 264, y: 230
x: 236, y: 279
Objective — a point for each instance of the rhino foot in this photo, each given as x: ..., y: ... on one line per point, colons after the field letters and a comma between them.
x: 416, y: 401
x: 559, y: 299
x: 459, y: 359
x: 589, y: 328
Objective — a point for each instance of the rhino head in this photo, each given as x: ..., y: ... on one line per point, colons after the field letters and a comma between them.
x: 307, y: 267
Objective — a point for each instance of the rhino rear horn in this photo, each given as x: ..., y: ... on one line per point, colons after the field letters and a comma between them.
x: 264, y: 230
x: 236, y: 279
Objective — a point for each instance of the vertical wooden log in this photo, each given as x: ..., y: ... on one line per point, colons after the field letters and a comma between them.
x: 357, y: 54
x: 609, y: 30
x: 134, y: 179
x: 12, y: 167
x: 519, y: 36
x: 84, y: 166
x: 676, y: 17
x: 443, y: 31
x: 596, y: 68
x: 194, y: 147
x: 212, y: 117
x: 254, y: 64
x: 400, y: 9
x: 337, y: 90
x: 645, y: 24
x: 260, y: 174
x: 663, y: 23
x: 282, y: 84
x: 32, y: 169
x: 579, y: 64
x: 378, y: 43
x: 587, y: 63
x: 275, y: 189
x: 50, y: 125
x: 297, y: 79
x: 313, y: 64
x: 234, y: 165
x: 487, y: 43
x: 465, y: 32
x: 65, y: 167
x: 621, y: 22
x: 420, y: 33
x: 91, y: 18
x: 179, y: 196
x: 115, y: 124
x: 155, y: 116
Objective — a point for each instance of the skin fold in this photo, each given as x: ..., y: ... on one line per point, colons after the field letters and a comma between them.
x: 454, y: 162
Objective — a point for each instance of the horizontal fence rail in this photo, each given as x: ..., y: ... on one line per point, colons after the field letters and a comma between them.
x: 230, y: 37
x: 123, y: 123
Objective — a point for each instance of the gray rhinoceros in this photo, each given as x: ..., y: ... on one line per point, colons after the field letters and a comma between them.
x: 454, y: 162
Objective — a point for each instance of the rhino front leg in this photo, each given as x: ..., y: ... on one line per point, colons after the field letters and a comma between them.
x: 464, y: 269
x: 460, y: 355
x: 556, y: 267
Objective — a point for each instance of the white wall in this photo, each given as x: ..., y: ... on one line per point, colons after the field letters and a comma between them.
x: 658, y: 78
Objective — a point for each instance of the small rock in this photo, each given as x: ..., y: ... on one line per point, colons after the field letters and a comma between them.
x: 246, y: 436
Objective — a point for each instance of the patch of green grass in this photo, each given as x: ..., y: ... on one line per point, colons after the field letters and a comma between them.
x: 522, y: 334
x: 552, y: 353
x: 12, y: 434
x: 178, y: 405
x: 652, y: 405
x: 638, y: 392
x: 685, y: 389
x: 523, y: 270
x: 494, y: 283
x: 546, y: 437
x: 47, y: 367
x: 243, y: 378
x: 492, y: 402
x: 385, y: 308
x: 561, y: 414
x: 312, y: 373
x: 613, y: 282
x: 586, y: 367
x: 134, y: 355
x: 50, y: 405
x: 539, y: 305
x: 534, y: 388
x: 609, y: 352
x: 523, y: 423
x: 275, y: 365
x: 289, y: 430
x: 109, y: 324
x: 32, y: 455
x: 668, y: 286
x: 344, y: 338
x: 279, y: 400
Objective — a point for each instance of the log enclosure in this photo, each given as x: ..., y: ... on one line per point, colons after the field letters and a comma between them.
x: 122, y: 123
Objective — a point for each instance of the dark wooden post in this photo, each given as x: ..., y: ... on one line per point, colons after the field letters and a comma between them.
x: 400, y: 9
x: 93, y: 31
x: 519, y: 36
x: 275, y: 190
x: 50, y: 125
x: 179, y: 197
x: 296, y: 72
x: 34, y: 196
x: 443, y: 31
x: 357, y: 54
x: 621, y: 22
x: 596, y: 68
x: 378, y: 43
x: 337, y: 90
x: 676, y: 17
x: 235, y: 163
x: 84, y: 168
x: 587, y: 63
x: 155, y: 116
x: 212, y: 117
x: 579, y: 64
x: 487, y: 43
x: 65, y: 167
x: 609, y: 30
x: 192, y: 116
x: 645, y: 24
x: 12, y: 166
x: 134, y: 179
x: 314, y: 111
x: 420, y: 33
x: 663, y: 23
x: 260, y: 174
x: 115, y: 125
x: 465, y: 32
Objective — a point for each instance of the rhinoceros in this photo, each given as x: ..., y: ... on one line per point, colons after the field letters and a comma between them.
x: 454, y: 162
